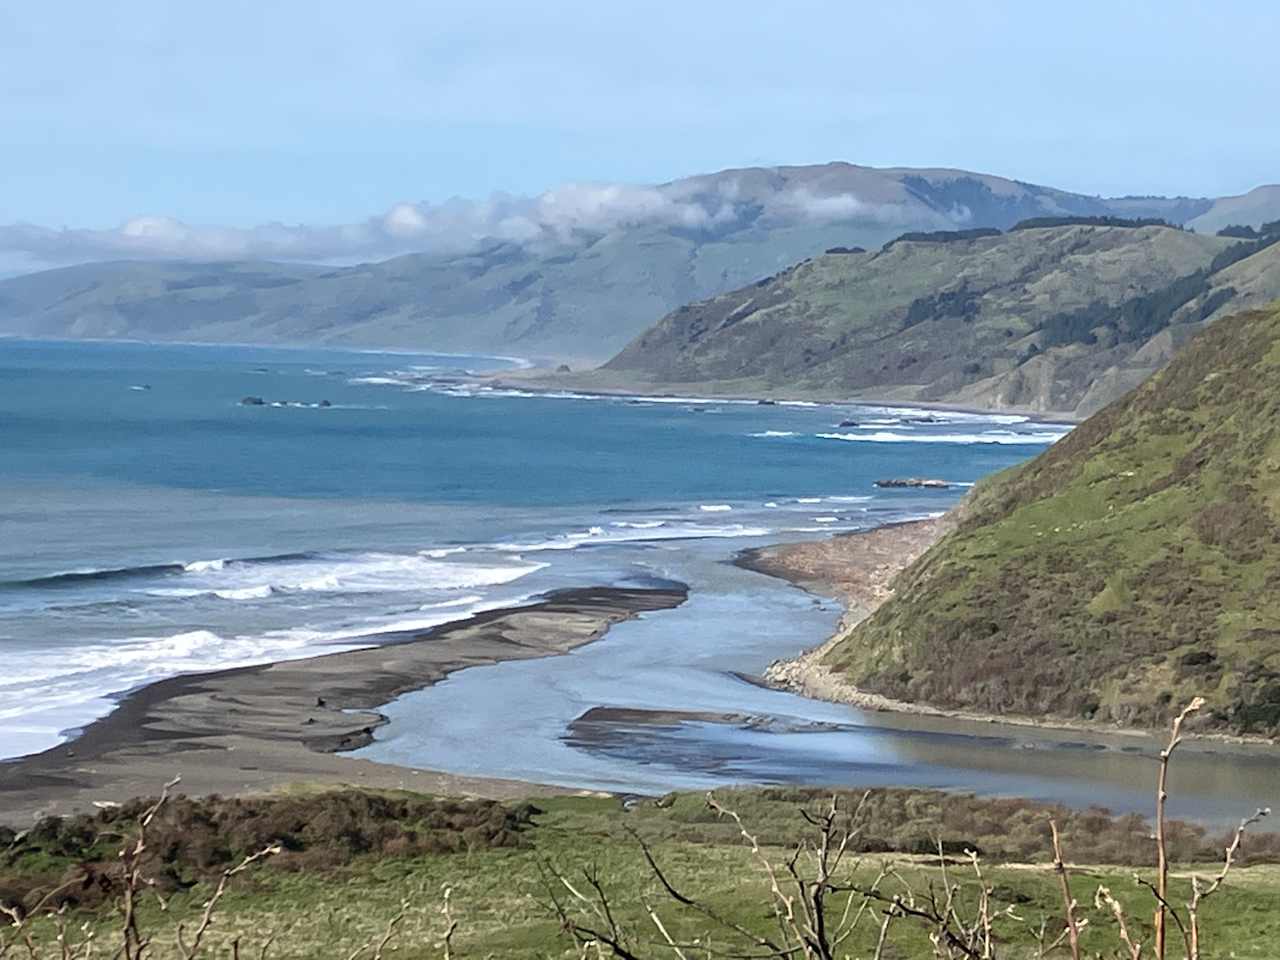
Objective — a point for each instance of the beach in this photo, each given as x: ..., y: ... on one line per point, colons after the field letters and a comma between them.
x: 210, y: 588
x: 858, y: 569
x: 262, y: 728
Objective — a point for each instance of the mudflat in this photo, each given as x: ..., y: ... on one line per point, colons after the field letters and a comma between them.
x: 260, y: 728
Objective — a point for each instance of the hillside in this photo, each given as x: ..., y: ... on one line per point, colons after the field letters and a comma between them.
x: 579, y: 281
x: 1258, y: 206
x: 1132, y: 565
x: 1050, y: 319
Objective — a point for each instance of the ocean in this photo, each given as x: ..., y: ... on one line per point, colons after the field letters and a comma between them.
x: 152, y: 523
x: 168, y: 509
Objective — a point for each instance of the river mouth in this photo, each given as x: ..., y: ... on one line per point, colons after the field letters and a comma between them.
x: 174, y: 529
x: 668, y: 702
x: 1116, y: 773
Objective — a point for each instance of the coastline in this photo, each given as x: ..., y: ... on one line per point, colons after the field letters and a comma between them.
x: 594, y: 383
x: 538, y: 375
x: 265, y: 727
x: 858, y: 569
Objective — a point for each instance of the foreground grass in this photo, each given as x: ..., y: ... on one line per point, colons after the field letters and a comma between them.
x: 500, y: 897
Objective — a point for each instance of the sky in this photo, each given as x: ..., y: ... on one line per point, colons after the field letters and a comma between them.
x: 168, y: 116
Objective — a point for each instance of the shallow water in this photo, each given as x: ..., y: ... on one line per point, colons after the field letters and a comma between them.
x: 152, y: 524
x: 517, y: 720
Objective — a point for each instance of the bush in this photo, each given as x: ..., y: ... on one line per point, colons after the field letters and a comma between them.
x: 1040, y: 222
x: 192, y: 840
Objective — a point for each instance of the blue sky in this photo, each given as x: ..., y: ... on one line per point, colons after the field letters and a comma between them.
x: 236, y: 114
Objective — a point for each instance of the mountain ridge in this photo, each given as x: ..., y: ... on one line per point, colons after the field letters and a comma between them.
x: 593, y: 277
x: 1057, y: 319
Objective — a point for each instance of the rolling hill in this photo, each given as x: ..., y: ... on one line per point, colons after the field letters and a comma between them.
x: 1258, y: 206
x: 1057, y: 318
x: 1134, y: 564
x: 580, y: 287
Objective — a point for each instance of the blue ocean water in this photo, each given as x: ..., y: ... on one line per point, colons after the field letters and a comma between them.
x: 152, y: 523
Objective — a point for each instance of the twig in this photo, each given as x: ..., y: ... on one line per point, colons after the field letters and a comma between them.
x: 1068, y: 901
x: 1199, y: 895
x: 211, y: 905
x: 390, y: 931
x: 450, y: 924
x: 1103, y: 899
x: 1162, y: 796
x: 706, y: 911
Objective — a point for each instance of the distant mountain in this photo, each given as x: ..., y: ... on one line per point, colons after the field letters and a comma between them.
x: 1258, y: 206
x: 1059, y: 318
x: 580, y: 293
x: 1134, y: 564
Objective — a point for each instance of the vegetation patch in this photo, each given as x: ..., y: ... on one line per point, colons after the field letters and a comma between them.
x: 193, y: 840
x: 1053, y: 319
x: 1130, y: 565
x: 588, y: 875
x: 1040, y: 223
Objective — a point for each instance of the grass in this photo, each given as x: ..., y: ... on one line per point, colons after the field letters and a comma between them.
x: 326, y: 905
x: 1130, y: 566
x: 500, y: 901
x: 960, y: 322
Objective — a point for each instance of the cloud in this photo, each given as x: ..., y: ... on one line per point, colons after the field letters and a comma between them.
x: 564, y: 215
x: 803, y: 204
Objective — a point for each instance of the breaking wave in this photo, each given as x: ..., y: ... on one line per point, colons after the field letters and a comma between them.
x: 995, y: 436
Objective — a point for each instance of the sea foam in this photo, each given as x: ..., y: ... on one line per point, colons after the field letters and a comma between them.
x: 1002, y: 437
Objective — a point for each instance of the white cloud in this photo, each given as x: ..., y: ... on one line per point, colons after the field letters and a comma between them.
x: 565, y: 214
x: 807, y: 205
x: 404, y: 220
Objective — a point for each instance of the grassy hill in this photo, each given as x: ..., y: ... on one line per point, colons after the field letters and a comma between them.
x: 1058, y: 318
x: 580, y: 294
x: 1258, y: 206
x: 1132, y: 565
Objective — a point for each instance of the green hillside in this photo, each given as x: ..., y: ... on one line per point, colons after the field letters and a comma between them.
x: 1060, y: 318
x: 1132, y: 565
x: 580, y: 288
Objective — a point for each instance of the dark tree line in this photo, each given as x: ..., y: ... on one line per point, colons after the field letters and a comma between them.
x: 944, y: 236
x: 1139, y: 318
x: 1142, y: 317
x: 1040, y: 222
x: 1241, y: 232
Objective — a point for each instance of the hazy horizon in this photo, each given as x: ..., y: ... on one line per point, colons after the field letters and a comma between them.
x: 152, y: 120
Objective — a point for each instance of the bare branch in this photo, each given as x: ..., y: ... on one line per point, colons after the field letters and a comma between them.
x: 1104, y: 900
x: 1199, y: 895
x: 211, y: 905
x: 1068, y: 901
x: 1162, y: 796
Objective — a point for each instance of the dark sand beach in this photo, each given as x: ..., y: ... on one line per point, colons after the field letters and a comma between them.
x: 260, y: 728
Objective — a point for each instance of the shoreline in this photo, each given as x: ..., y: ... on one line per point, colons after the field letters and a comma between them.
x: 858, y: 568
x: 544, y: 380
x: 265, y: 727
x: 529, y: 375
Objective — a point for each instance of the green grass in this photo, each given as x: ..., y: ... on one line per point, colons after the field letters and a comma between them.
x: 500, y: 896
x: 961, y: 322
x: 1125, y: 570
